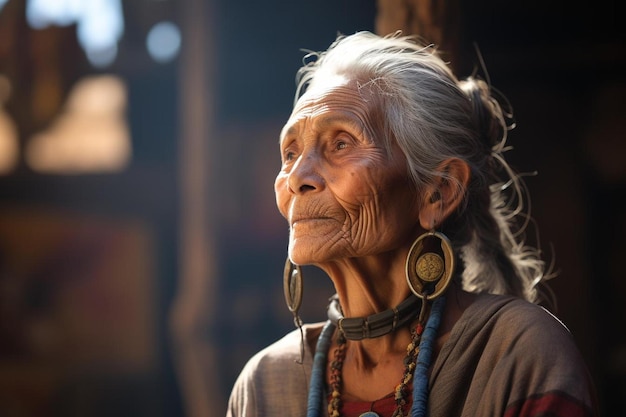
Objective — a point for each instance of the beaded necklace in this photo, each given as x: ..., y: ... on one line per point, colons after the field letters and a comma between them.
x: 400, y: 394
x: 417, y: 363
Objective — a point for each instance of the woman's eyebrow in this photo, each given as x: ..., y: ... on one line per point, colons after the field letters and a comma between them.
x: 335, y: 119
x: 325, y: 122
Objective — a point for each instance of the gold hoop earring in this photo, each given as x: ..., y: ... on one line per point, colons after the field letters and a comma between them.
x: 429, y: 273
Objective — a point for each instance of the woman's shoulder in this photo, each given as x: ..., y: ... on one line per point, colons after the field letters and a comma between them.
x: 514, y: 352
x: 522, y: 340
x: 512, y: 314
x: 287, y: 350
x: 511, y: 328
x: 274, y: 381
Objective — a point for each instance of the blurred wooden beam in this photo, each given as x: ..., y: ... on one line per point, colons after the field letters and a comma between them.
x: 192, y: 314
x: 434, y: 21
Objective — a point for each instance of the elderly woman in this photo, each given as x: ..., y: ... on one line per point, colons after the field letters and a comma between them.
x: 393, y: 182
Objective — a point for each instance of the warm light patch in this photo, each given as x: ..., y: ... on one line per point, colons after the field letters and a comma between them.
x: 9, y: 149
x: 8, y: 144
x: 91, y: 135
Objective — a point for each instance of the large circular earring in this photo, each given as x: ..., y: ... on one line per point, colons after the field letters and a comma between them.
x: 292, y: 286
x: 429, y: 273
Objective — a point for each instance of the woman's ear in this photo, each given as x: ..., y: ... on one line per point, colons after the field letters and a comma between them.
x: 445, y: 193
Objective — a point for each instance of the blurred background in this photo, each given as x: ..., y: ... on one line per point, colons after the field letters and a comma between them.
x: 141, y: 253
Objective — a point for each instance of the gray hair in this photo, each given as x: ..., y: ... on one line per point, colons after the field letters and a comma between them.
x: 433, y: 116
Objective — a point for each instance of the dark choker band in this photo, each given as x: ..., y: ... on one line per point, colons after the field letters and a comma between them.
x: 376, y: 325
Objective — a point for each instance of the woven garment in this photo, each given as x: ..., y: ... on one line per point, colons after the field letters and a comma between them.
x: 504, y: 357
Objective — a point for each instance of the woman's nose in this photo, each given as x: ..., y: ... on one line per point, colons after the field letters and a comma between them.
x: 304, y: 176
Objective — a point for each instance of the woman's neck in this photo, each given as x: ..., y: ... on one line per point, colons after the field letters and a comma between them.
x: 372, y: 368
x: 367, y: 286
x: 368, y: 362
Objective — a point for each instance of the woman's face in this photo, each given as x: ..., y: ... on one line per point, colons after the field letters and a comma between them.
x: 342, y: 192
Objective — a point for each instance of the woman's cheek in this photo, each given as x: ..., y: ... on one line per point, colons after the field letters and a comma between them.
x: 282, y: 194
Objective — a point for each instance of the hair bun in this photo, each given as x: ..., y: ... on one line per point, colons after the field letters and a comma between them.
x: 491, y: 121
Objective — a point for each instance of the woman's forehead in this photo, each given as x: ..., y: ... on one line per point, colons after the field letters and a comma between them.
x: 321, y: 90
x: 331, y: 101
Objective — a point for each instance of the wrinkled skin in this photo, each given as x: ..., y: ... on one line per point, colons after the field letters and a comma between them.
x: 343, y: 194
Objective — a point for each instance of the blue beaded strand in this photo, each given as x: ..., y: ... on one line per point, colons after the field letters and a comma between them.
x: 316, y: 389
x: 420, y: 378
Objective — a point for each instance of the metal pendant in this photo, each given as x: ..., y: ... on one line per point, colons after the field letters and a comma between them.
x: 292, y: 285
x: 429, y: 269
x: 369, y: 414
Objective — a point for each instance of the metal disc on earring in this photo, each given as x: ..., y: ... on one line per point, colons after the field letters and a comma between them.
x: 429, y: 267
x: 292, y: 285
x: 424, y: 269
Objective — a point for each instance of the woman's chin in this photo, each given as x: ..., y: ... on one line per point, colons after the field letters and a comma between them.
x: 306, y: 255
x: 299, y: 258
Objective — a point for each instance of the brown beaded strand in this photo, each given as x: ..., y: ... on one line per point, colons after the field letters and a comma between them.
x: 335, y: 376
x: 410, y: 361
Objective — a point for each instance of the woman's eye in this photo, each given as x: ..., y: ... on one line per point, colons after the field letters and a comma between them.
x: 289, y: 156
x: 340, y: 145
x: 342, y: 141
